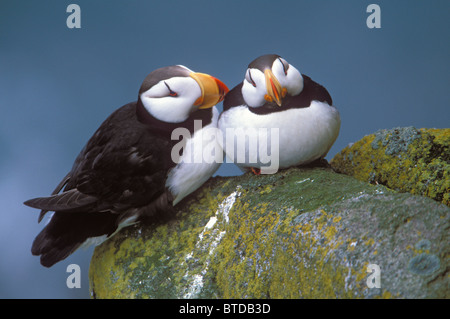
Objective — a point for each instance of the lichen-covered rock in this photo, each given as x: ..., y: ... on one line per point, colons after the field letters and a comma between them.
x: 301, y: 233
x: 404, y: 159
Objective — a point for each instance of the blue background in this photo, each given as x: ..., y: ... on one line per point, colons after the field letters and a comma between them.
x: 58, y: 84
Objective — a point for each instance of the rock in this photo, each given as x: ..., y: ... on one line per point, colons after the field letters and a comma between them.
x: 404, y: 159
x: 300, y: 233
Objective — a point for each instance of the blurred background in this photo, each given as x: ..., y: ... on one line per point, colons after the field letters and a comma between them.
x: 57, y: 84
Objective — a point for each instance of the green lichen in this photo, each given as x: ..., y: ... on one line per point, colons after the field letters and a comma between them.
x: 403, y: 159
x: 424, y: 264
x: 147, y: 273
x: 423, y: 244
x: 396, y: 140
x: 301, y: 233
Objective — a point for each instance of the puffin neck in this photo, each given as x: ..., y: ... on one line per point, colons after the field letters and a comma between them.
x: 166, y: 128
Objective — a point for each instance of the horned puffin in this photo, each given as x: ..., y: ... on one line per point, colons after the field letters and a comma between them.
x: 127, y: 172
x: 275, y: 95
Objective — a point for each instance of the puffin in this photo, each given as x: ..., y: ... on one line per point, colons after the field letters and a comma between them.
x: 281, y: 112
x: 133, y: 169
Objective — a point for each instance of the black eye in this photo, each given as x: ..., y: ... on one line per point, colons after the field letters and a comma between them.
x: 285, y: 65
x: 171, y: 93
x: 250, y: 78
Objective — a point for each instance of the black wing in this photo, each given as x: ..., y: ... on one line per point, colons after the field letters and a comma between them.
x: 312, y: 91
x: 120, y: 172
x: 124, y: 165
x: 67, y: 201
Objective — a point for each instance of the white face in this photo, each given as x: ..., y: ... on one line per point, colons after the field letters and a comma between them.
x: 254, y: 86
x: 172, y: 100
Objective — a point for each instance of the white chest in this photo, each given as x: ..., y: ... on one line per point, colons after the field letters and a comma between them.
x: 202, y: 156
x: 291, y: 137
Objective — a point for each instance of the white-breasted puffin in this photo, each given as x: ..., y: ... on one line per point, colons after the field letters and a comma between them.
x: 126, y: 172
x: 274, y: 95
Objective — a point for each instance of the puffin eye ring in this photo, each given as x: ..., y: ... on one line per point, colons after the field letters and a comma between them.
x: 171, y: 93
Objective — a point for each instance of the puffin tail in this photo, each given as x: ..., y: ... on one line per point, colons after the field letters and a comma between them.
x: 67, y: 231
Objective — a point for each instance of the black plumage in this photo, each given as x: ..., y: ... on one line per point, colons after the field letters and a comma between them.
x: 128, y: 172
x: 120, y: 172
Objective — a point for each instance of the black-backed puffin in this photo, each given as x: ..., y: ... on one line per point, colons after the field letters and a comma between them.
x: 128, y: 172
x: 274, y: 95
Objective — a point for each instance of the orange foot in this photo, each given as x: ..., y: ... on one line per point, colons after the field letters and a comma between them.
x: 256, y: 171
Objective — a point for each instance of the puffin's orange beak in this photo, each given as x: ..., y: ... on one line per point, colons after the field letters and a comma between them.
x: 274, y: 90
x: 213, y: 90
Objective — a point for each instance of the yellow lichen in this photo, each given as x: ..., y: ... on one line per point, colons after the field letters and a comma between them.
x: 425, y: 169
x: 257, y: 251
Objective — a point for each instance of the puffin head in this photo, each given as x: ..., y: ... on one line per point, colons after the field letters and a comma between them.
x: 269, y: 79
x: 171, y: 94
